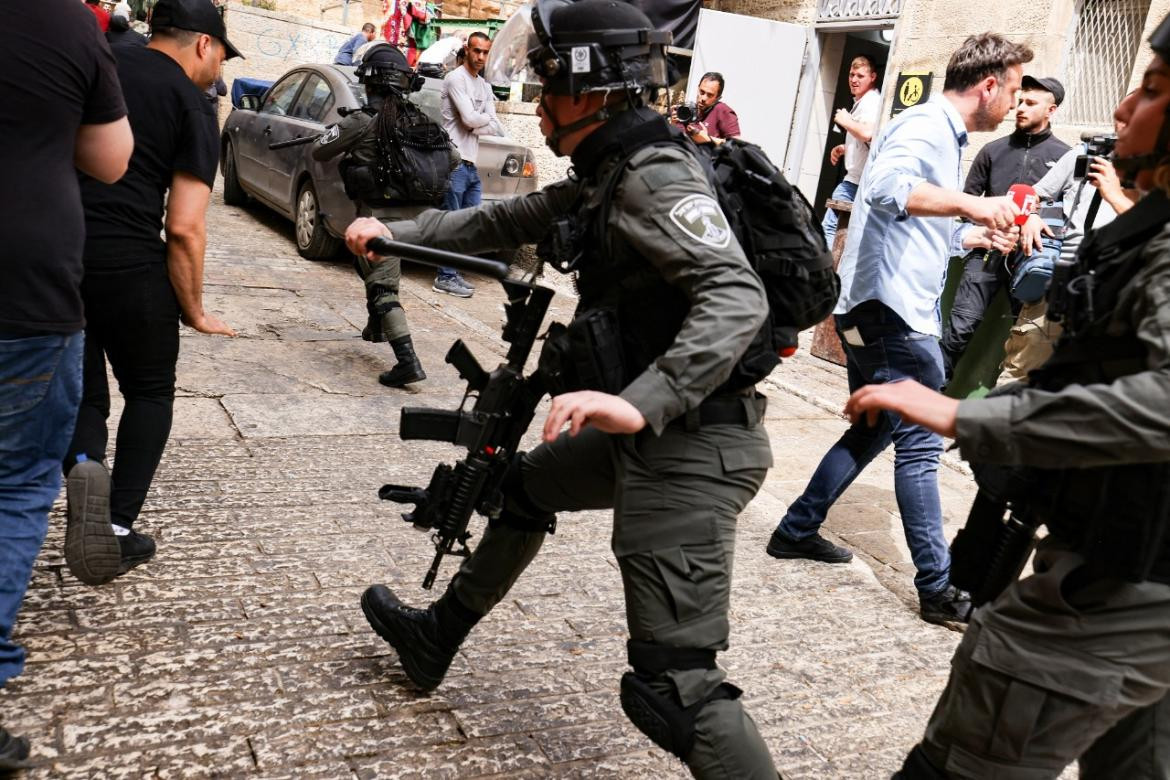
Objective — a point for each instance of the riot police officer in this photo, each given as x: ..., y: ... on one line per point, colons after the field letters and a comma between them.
x: 387, y: 77
x: 673, y: 448
x: 1073, y: 661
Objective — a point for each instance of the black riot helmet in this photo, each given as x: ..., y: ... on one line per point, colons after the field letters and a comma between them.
x: 383, y: 68
x: 579, y: 47
x: 1129, y: 166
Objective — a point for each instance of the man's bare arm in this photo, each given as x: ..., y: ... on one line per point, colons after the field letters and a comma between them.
x: 930, y: 200
x: 186, y: 231
x: 103, y: 151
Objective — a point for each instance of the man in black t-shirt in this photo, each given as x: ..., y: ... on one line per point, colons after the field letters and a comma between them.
x: 138, y: 286
x: 63, y: 108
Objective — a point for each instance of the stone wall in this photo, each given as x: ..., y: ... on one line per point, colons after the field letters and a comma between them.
x: 272, y: 42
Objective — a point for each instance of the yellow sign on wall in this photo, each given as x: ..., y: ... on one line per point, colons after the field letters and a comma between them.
x: 913, y: 88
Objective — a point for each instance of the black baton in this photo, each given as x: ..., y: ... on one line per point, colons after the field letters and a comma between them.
x: 438, y: 257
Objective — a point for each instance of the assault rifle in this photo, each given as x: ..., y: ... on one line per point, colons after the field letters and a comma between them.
x: 504, y: 403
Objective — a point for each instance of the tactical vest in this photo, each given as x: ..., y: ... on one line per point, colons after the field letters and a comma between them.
x: 627, y: 315
x: 1117, y: 516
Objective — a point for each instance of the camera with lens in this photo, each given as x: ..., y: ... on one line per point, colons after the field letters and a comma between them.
x: 686, y: 112
x: 1095, y: 146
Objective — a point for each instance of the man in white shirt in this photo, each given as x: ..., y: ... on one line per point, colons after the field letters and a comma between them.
x: 469, y: 111
x: 859, y: 124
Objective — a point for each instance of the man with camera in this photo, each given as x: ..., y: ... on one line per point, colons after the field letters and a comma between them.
x: 708, y: 120
x: 1088, y: 195
x: 1020, y: 158
x: 859, y: 124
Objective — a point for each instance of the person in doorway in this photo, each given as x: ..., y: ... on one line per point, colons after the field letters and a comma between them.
x: 859, y: 124
x: 469, y: 111
x: 901, y: 236
x: 716, y: 121
x: 1024, y: 157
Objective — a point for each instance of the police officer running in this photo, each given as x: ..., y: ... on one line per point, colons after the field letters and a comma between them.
x: 672, y: 448
x: 366, y: 173
x: 1073, y: 661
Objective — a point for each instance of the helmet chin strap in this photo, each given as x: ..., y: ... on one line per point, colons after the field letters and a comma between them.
x: 1129, y: 167
x: 553, y: 140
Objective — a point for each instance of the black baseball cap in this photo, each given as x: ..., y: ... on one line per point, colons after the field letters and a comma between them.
x: 1029, y: 82
x: 199, y: 16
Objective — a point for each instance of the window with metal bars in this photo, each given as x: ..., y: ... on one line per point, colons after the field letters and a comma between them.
x: 1100, y: 57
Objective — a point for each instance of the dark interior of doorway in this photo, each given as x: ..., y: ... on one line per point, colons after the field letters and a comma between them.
x: 871, y: 44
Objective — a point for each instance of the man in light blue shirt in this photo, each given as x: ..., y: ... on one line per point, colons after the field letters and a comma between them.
x: 350, y: 47
x: 901, y: 235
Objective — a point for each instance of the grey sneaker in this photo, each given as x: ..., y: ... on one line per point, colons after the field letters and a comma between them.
x: 91, y: 549
x: 452, y: 285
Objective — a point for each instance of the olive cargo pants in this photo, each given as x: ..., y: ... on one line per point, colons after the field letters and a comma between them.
x: 1059, y: 668
x: 675, y: 499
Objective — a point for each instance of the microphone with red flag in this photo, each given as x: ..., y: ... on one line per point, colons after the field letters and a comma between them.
x: 1025, y: 197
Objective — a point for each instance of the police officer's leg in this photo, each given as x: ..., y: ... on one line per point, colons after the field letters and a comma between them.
x: 678, y: 499
x: 382, y: 284
x: 572, y: 473
x: 1137, y: 748
x: 1044, y: 671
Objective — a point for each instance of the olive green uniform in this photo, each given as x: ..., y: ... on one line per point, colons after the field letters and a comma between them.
x: 676, y: 487
x: 382, y: 279
x: 1067, y: 663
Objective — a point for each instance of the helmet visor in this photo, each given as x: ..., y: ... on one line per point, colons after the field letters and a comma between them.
x: 508, y: 60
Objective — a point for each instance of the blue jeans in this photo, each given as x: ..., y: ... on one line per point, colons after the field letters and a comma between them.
x: 892, y: 352
x: 40, y: 388
x: 846, y: 191
x: 465, y: 191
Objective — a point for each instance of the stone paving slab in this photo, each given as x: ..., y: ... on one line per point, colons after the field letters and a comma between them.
x: 241, y: 650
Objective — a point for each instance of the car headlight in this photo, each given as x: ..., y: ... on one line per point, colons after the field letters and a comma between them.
x: 513, y: 166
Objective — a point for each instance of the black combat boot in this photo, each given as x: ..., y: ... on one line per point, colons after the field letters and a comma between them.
x: 426, y: 640
x: 408, y: 370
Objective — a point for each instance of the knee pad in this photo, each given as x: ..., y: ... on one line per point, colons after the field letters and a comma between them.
x: 661, y: 717
x: 520, y: 511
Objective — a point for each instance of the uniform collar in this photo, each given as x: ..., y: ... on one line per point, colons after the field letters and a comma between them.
x: 622, y: 134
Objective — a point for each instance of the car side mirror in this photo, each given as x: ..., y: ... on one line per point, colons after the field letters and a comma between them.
x: 250, y: 102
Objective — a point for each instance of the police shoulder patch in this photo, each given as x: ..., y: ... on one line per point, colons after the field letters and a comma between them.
x: 700, y: 217
x: 332, y: 134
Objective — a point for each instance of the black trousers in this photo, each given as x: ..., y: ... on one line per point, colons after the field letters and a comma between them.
x: 984, y: 273
x: 132, y: 320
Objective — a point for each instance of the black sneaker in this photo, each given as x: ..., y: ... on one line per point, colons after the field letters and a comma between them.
x: 136, y: 548
x: 426, y: 640
x: 813, y: 548
x: 91, y: 550
x: 950, y: 605
x: 13, y: 752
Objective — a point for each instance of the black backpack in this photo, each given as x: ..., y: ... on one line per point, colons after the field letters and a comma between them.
x: 415, y: 155
x: 775, y: 225
x: 778, y: 231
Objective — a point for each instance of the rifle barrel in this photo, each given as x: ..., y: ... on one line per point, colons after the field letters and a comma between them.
x: 439, y: 257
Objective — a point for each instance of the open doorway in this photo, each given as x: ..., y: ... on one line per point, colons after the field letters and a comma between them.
x: 838, y: 48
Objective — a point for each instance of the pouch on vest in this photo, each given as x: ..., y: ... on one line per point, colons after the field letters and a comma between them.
x: 586, y: 355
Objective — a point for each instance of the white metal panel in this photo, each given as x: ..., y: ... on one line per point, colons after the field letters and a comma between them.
x: 761, y: 62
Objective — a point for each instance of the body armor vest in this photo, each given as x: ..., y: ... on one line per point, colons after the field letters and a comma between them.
x: 627, y: 315
x: 1116, y: 516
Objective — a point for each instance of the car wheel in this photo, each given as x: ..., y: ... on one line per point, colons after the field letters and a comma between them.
x: 233, y: 193
x: 313, y: 240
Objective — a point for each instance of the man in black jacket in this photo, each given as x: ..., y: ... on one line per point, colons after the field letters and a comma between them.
x: 1020, y: 158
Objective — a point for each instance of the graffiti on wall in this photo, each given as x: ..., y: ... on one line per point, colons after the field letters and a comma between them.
x: 272, y: 45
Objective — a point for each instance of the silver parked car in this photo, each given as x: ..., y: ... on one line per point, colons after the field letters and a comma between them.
x: 303, y: 102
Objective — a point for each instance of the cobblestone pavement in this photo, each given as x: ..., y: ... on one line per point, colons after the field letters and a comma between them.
x: 241, y: 650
